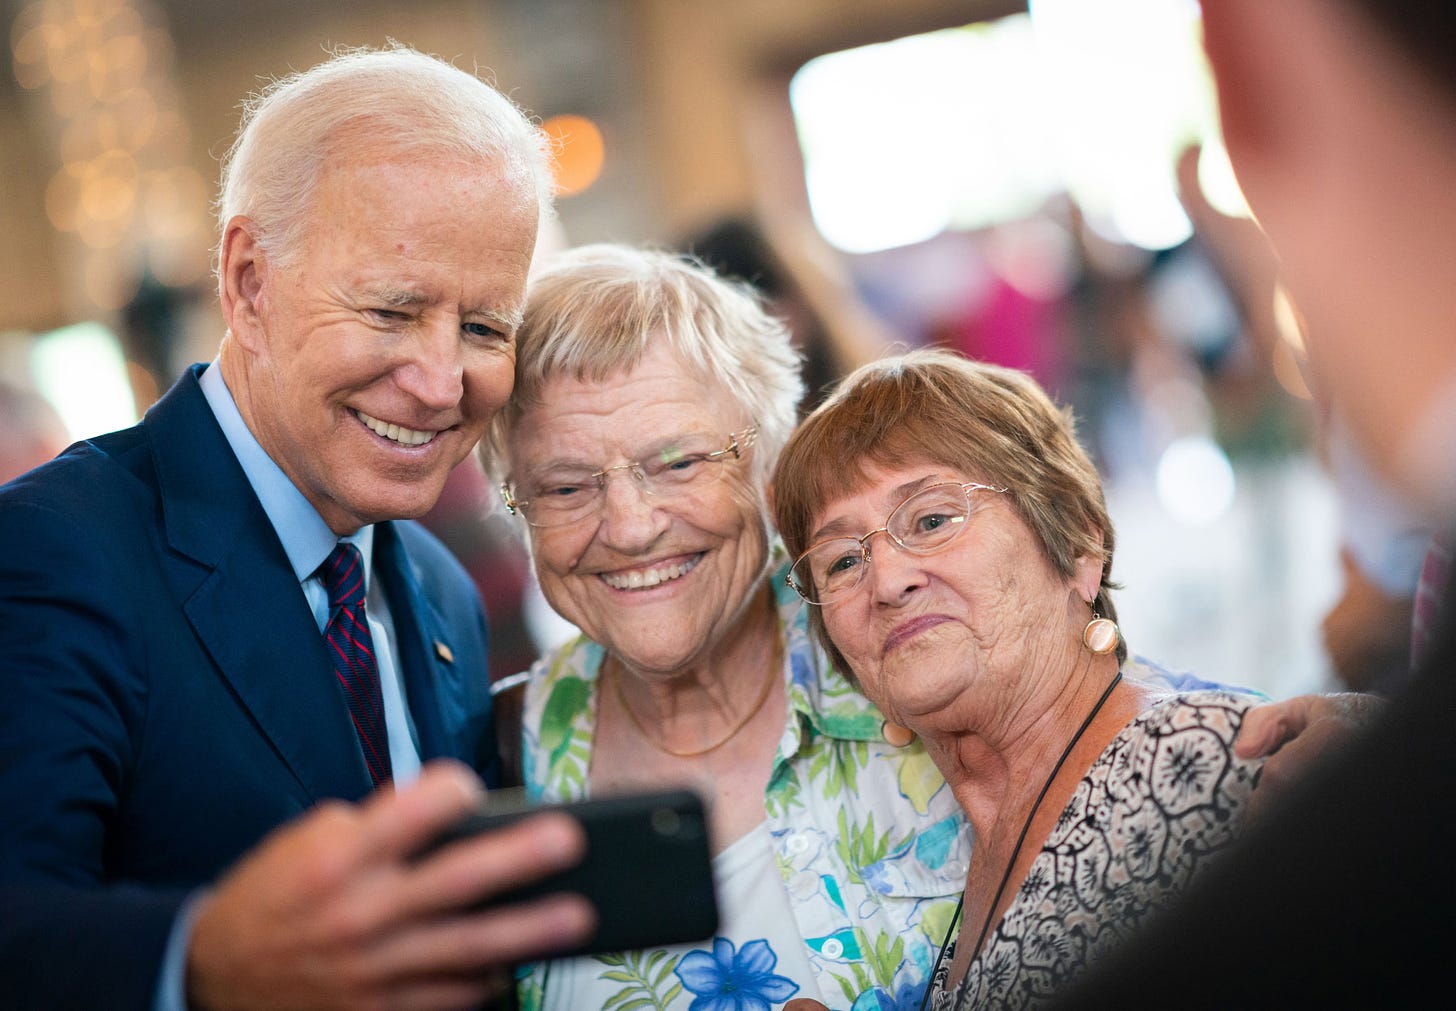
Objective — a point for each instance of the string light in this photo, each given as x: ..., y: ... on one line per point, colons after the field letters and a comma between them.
x: 101, y: 67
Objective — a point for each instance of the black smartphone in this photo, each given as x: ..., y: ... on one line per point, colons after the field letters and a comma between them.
x: 647, y: 870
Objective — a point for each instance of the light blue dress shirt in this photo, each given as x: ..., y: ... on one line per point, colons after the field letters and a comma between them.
x: 307, y: 541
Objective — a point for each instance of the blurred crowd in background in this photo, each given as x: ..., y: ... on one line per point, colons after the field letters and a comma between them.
x: 952, y: 177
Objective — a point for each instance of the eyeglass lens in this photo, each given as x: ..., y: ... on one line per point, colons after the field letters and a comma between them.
x: 923, y: 523
x: 567, y: 494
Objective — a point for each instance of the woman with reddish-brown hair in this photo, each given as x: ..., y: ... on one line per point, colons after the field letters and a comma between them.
x: 952, y: 539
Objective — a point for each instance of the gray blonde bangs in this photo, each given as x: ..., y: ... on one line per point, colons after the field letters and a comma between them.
x: 595, y: 311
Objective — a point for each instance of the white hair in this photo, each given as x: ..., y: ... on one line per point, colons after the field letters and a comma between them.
x: 396, y: 99
x: 595, y: 311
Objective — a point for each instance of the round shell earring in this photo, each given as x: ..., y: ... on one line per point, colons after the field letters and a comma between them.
x: 1100, y: 635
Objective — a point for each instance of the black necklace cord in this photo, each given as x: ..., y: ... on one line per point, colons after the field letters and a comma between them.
x: 1016, y: 852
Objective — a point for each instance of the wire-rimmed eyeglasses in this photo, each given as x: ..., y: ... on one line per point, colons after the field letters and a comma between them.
x: 564, y: 495
x: 922, y: 524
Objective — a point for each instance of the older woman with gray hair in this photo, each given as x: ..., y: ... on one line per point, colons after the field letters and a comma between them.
x: 951, y: 537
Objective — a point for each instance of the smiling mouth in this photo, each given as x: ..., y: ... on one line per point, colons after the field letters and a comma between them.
x: 643, y: 579
x: 395, y: 433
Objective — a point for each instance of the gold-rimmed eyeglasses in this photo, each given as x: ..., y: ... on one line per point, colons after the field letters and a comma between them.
x: 922, y: 524
x: 680, y: 466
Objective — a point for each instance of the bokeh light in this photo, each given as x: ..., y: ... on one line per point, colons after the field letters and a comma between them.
x: 579, y: 152
x: 1195, y: 480
x: 80, y: 369
x: 122, y: 188
x: 1287, y: 319
x: 1217, y: 180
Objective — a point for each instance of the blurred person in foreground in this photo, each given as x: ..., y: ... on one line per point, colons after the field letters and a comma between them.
x: 651, y: 400
x: 1368, y: 631
x: 210, y: 746
x: 1340, y: 120
x: 951, y: 535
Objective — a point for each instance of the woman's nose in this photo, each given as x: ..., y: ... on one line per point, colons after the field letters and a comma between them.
x: 893, y: 573
x: 630, y: 516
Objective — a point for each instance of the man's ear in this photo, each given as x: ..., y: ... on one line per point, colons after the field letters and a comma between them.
x: 1251, y: 45
x: 241, y: 269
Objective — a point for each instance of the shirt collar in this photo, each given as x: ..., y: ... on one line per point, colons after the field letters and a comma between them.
x: 307, y: 539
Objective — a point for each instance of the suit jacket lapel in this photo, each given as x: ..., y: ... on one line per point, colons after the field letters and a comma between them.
x: 249, y: 610
x: 428, y: 666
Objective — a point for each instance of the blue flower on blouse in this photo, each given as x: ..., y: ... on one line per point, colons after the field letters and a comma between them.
x: 725, y: 981
x: 907, y: 997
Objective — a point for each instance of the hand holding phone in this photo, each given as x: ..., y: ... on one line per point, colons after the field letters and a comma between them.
x: 647, y: 869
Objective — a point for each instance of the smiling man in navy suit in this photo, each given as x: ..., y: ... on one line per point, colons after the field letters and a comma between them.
x: 215, y: 758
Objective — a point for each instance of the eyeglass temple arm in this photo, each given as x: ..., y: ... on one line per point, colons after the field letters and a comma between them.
x: 512, y: 506
x: 748, y: 436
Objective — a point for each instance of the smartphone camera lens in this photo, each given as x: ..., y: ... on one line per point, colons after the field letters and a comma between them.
x: 666, y: 821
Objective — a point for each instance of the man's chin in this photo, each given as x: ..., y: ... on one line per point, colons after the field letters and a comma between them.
x: 348, y: 517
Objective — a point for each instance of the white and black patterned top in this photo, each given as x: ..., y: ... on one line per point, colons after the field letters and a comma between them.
x: 1164, y: 796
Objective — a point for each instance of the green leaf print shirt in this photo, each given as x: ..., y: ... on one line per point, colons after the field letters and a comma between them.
x: 871, y: 847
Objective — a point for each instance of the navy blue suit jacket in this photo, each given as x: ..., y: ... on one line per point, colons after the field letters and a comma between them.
x: 168, y: 699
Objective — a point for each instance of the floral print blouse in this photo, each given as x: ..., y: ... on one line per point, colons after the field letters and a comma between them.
x: 870, y: 844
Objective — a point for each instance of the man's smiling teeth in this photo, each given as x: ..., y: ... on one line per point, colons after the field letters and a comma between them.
x: 640, y: 579
x: 396, y: 433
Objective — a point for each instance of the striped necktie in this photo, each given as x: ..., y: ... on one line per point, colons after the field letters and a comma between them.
x: 352, y: 650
